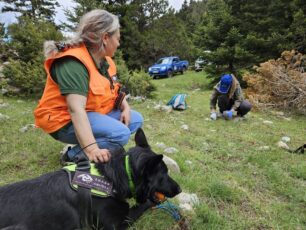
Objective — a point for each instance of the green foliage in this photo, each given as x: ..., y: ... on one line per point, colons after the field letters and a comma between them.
x: 4, y: 51
x: 34, y: 9
x: 82, y: 6
x: 157, y: 43
x: 298, y: 30
x: 139, y: 82
x: 28, y: 77
x: 28, y: 36
x: 25, y: 70
x: 241, y: 34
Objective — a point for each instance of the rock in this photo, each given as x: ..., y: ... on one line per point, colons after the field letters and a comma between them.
x: 161, y: 107
x: 26, y: 128
x: 285, y: 139
x: 264, y: 148
x: 188, y: 198
x: 188, y: 162
x: 170, y: 150
x: 185, y: 127
x: 279, y: 113
x: 161, y: 145
x: 157, y: 107
x: 171, y: 164
x: 287, y: 118
x: 4, y: 105
x: 166, y: 108
x: 4, y: 117
x: 282, y: 145
x: 186, y: 207
x: 4, y: 91
x: 137, y: 98
x: 267, y: 122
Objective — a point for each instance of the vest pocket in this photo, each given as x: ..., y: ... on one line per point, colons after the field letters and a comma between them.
x: 97, y: 90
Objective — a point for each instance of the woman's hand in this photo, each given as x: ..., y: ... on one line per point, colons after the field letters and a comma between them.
x: 125, y: 113
x: 98, y: 155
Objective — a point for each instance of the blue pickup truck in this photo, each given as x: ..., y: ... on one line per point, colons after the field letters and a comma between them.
x: 168, y: 66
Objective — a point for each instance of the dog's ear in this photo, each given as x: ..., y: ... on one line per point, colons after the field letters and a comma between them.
x: 140, y: 139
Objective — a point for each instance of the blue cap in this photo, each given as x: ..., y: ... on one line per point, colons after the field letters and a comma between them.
x: 225, y: 83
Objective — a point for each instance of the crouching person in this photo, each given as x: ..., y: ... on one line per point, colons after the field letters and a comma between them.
x: 228, y: 94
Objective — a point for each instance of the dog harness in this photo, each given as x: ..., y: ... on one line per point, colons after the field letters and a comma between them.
x: 93, y: 180
x: 98, y: 185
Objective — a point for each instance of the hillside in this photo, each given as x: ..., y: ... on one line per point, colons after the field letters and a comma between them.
x: 241, y: 177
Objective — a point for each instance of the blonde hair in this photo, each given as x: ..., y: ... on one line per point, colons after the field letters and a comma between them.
x: 89, y: 31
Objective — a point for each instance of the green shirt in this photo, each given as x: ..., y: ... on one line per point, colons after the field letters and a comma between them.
x: 72, y: 76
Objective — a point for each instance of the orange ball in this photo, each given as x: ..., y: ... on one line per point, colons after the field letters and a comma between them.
x: 160, y: 196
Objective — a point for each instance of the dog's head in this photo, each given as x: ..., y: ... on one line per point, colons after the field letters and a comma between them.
x: 150, y: 173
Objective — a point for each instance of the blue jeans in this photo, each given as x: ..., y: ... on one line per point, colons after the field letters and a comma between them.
x: 108, y: 130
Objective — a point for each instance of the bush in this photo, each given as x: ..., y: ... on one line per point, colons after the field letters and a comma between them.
x: 25, y: 73
x: 28, y: 77
x: 279, y: 83
x: 139, y: 83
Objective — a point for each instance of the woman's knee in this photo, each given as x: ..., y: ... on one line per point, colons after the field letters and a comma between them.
x: 136, y: 121
x: 123, y: 136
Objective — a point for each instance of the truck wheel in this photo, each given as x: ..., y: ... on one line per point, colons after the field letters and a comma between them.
x: 170, y: 73
x: 183, y: 69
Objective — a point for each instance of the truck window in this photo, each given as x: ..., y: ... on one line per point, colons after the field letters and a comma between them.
x: 164, y: 61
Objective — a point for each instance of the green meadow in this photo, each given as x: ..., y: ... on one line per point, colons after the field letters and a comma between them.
x: 242, y: 178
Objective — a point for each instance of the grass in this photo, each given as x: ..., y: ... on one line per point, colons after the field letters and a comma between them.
x: 239, y: 185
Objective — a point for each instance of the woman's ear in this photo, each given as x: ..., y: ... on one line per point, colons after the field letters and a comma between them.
x: 105, y: 38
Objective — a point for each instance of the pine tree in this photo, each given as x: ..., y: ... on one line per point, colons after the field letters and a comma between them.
x: 25, y: 68
x: 167, y: 37
x: 222, y: 38
x: 35, y: 9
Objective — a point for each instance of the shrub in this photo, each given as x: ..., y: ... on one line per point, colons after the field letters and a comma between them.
x: 28, y: 77
x: 139, y: 83
x: 25, y: 73
x: 279, y: 83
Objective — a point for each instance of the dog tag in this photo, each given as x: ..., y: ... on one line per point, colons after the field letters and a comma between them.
x: 85, y: 179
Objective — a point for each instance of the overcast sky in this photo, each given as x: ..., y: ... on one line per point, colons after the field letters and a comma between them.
x: 10, y: 18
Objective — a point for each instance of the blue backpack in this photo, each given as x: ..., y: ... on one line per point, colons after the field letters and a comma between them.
x: 178, y: 102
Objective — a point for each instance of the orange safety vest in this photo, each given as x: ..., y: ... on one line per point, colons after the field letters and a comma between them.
x: 52, y: 113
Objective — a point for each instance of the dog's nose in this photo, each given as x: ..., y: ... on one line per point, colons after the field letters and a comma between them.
x: 179, y: 190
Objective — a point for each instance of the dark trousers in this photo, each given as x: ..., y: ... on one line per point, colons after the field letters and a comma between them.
x: 224, y: 103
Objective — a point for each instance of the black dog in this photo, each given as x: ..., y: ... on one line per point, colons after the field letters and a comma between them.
x: 48, y: 202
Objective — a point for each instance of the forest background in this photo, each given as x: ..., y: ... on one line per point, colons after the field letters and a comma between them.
x: 238, y: 34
